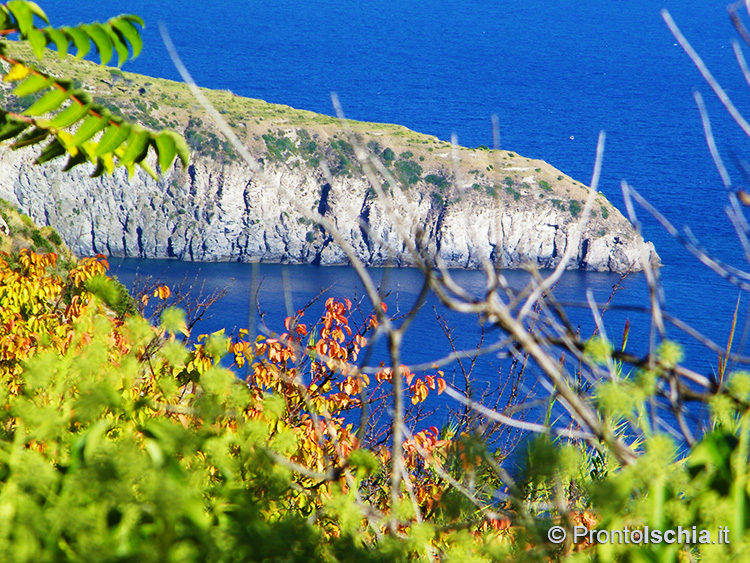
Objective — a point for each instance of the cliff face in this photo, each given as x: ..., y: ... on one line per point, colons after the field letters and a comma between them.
x: 224, y: 212
x: 458, y: 204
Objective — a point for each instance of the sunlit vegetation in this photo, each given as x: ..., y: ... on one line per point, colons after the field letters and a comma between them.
x: 125, y: 440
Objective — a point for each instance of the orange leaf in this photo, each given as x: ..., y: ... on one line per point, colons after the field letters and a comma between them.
x: 408, y: 375
x: 162, y: 292
x: 441, y: 385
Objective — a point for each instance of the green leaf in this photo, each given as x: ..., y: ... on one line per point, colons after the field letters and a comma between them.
x: 217, y: 345
x: 363, y: 459
x: 129, y: 32
x: 80, y: 40
x: 99, y: 170
x: 105, y: 289
x: 137, y: 146
x: 38, y: 42
x: 82, y: 96
x: 23, y: 14
x: 53, y: 150
x: 173, y: 320
x: 49, y: 102
x: 119, y: 43
x: 89, y: 128
x: 37, y: 11
x: 59, y: 39
x: 169, y: 144
x: 150, y: 171
x: 5, y: 19
x: 68, y: 116
x: 104, y: 165
x: 102, y: 41
x: 133, y: 18
x: 183, y: 151
x: 11, y: 128
x: 166, y: 148
x: 112, y: 138
x: 36, y: 135
x: 32, y: 84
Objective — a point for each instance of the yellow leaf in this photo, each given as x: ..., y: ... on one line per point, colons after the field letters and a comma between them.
x: 108, y: 162
x: 17, y: 72
x: 66, y: 139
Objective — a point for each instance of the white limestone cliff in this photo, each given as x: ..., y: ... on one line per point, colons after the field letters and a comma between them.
x: 219, y: 212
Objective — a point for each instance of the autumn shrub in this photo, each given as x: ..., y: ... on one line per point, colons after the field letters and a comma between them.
x: 118, y: 443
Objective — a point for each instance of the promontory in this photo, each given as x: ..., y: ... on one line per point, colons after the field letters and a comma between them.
x: 462, y: 206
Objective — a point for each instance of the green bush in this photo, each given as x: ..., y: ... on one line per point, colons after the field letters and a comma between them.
x: 40, y: 242
x: 54, y: 237
x: 437, y: 180
x: 516, y: 195
x: 574, y: 207
x: 408, y: 171
x: 278, y: 147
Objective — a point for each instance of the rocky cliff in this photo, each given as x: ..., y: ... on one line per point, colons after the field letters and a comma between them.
x: 463, y: 206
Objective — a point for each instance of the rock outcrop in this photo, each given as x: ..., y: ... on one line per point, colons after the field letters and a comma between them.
x: 219, y: 212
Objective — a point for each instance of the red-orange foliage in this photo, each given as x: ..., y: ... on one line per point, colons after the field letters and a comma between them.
x: 312, y: 368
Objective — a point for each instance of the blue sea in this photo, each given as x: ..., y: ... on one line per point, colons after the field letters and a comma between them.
x: 554, y: 72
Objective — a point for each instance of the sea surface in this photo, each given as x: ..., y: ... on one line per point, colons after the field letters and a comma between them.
x: 555, y: 72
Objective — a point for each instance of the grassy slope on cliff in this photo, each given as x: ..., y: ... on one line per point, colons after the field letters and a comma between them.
x: 23, y: 233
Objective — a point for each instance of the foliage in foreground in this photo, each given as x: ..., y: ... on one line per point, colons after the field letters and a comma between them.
x: 117, y: 443
x: 56, y: 111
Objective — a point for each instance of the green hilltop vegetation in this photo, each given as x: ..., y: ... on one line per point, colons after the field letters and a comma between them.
x: 280, y: 135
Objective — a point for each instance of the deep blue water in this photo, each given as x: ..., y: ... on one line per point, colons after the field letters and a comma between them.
x: 554, y: 72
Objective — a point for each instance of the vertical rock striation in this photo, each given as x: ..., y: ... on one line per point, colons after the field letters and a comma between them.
x: 217, y: 211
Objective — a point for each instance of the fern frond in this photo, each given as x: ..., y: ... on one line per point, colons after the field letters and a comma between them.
x: 67, y: 116
x: 80, y: 128
x: 118, y: 35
